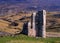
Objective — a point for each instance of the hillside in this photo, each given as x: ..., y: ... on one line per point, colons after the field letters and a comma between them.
x: 13, y: 23
x: 53, y: 21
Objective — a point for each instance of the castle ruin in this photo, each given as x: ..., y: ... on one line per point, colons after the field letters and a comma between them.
x: 37, y: 25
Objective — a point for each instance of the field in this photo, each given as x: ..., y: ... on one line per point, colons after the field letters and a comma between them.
x: 25, y: 39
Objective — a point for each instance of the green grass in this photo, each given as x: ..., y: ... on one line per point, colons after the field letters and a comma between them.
x: 25, y: 39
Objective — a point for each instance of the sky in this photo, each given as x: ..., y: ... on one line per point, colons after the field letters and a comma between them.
x: 49, y: 5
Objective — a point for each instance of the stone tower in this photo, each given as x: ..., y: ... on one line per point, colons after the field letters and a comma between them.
x: 37, y: 25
